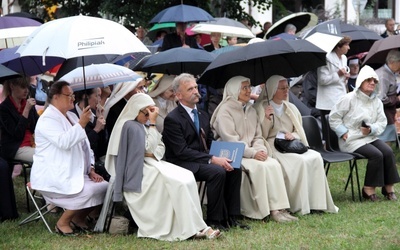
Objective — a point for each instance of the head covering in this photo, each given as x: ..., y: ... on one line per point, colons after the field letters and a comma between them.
x: 365, y: 73
x: 163, y: 84
x: 231, y: 91
x: 267, y: 94
x: 120, y: 90
x: 130, y: 112
x: 255, y: 40
x: 353, y: 61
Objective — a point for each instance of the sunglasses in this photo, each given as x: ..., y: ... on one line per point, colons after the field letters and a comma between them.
x: 146, y: 114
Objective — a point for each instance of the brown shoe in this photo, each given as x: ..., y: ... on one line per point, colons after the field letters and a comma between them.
x: 371, y: 197
x: 390, y: 196
x: 289, y: 216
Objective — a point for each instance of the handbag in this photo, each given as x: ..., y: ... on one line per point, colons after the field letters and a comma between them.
x: 290, y: 146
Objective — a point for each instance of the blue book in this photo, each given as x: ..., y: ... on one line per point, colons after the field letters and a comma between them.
x: 230, y: 150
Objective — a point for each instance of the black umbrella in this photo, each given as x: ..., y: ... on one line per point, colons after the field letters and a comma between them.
x: 6, y: 73
x: 182, y: 13
x: 361, y: 38
x: 259, y: 61
x: 301, y: 20
x: 176, y: 61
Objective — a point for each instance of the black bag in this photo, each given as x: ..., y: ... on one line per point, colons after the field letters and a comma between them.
x: 290, y: 146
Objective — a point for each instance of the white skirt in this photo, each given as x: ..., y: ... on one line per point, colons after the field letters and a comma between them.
x: 91, y: 195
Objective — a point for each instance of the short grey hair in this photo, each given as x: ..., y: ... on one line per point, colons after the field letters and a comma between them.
x: 182, y: 78
x: 393, y: 56
x: 290, y: 27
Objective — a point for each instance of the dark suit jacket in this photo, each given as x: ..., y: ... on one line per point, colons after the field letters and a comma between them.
x: 13, y: 127
x: 97, y: 140
x: 182, y: 143
x: 113, y: 115
x: 172, y: 40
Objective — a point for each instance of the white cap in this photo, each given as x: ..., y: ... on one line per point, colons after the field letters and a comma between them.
x: 353, y: 61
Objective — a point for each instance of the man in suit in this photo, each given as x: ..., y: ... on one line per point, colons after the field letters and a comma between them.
x: 186, y: 146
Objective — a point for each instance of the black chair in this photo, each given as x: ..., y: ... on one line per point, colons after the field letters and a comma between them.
x: 312, y: 129
x: 334, y: 146
x: 25, y: 166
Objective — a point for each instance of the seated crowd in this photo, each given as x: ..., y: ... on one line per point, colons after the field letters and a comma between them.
x: 155, y: 146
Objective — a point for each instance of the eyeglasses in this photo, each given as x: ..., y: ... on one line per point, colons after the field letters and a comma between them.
x: 146, y: 114
x: 285, y: 88
x: 72, y: 96
x: 371, y: 81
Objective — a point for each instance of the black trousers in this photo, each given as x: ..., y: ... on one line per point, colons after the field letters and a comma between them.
x: 8, y: 206
x: 381, y: 166
x: 223, y: 191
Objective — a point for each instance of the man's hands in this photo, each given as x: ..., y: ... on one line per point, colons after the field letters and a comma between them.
x: 222, y: 162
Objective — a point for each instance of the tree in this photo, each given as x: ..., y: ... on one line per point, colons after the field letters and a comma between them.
x: 140, y: 12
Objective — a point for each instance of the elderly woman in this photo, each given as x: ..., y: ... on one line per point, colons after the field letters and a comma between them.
x: 164, y: 97
x: 63, y: 169
x: 263, y: 189
x: 304, y: 174
x: 162, y: 197
x: 95, y: 127
x: 358, y: 119
x: 18, y: 118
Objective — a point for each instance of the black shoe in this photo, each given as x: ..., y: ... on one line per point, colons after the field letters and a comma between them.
x: 233, y: 222
x: 218, y: 225
x: 72, y: 234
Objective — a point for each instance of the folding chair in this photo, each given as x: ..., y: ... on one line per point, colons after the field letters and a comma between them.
x: 334, y: 146
x: 40, y: 211
x: 311, y: 129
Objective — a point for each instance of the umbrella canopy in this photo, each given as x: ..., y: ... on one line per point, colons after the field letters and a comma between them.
x: 98, y: 76
x: 80, y: 36
x: 73, y: 63
x: 259, y: 61
x: 182, y: 13
x: 29, y: 65
x: 328, y: 27
x: 6, y: 73
x: 26, y: 15
x: 14, y: 30
x: 324, y: 41
x: 377, y: 54
x: 176, y: 61
x: 361, y: 38
x: 225, y: 49
x: 168, y: 27
x: 302, y: 20
x: 225, y: 26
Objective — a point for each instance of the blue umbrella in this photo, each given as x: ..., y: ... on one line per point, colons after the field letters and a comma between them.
x: 176, y: 61
x: 29, y: 65
x: 6, y: 73
x: 182, y: 13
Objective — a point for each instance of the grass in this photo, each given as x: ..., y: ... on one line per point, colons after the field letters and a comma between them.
x: 358, y: 225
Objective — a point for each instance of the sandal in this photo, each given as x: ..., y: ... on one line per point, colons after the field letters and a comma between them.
x: 211, y: 233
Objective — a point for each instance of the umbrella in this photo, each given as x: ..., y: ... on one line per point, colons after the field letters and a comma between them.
x: 225, y: 49
x: 361, y: 38
x: 14, y: 30
x: 302, y: 20
x: 168, y: 27
x: 26, y: 15
x: 182, y: 13
x: 176, y: 61
x: 225, y: 26
x: 99, y: 76
x: 379, y: 50
x: 324, y: 41
x: 259, y: 61
x: 328, y: 27
x: 73, y: 63
x: 6, y: 73
x: 29, y: 65
x: 81, y: 36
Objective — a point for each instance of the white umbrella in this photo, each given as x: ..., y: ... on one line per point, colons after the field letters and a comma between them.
x: 225, y: 26
x: 14, y: 36
x: 326, y: 42
x: 99, y: 76
x: 79, y: 36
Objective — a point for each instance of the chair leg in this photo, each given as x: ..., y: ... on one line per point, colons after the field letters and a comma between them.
x: 109, y: 217
x: 327, y: 166
x: 38, y: 214
x: 358, y: 181
x: 353, y: 167
x: 24, y: 168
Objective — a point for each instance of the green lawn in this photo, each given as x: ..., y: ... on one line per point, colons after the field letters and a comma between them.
x: 358, y: 225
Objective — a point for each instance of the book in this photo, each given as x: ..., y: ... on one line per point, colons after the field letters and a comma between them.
x: 231, y: 150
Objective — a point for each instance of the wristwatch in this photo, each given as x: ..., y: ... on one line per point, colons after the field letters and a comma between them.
x: 152, y: 125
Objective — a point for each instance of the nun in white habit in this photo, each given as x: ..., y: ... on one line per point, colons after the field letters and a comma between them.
x: 162, y: 197
x: 263, y: 189
x: 304, y: 174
